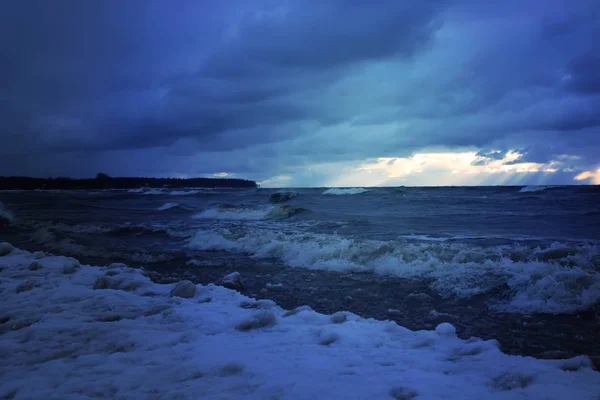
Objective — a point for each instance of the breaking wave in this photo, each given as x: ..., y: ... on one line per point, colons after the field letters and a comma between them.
x: 228, y: 212
x: 164, y: 192
x: 167, y: 206
x: 535, y: 188
x: 282, y: 197
x: 174, y: 206
x: 345, y: 191
x: 234, y: 213
x: 554, y: 279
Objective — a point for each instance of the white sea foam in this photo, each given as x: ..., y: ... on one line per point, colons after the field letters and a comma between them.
x: 345, y: 191
x: 76, y: 331
x: 549, y: 288
x: 163, y: 192
x: 536, y: 277
x: 535, y: 188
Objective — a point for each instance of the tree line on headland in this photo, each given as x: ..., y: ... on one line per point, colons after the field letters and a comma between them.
x: 103, y: 181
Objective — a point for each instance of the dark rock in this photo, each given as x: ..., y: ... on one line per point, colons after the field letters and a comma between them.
x: 284, y: 212
x: 281, y: 197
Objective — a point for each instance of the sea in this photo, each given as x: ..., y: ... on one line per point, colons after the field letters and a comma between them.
x: 520, y: 265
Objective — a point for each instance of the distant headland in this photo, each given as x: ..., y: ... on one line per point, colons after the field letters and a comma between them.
x: 103, y: 181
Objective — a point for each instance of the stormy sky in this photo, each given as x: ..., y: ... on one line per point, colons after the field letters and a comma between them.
x: 303, y: 92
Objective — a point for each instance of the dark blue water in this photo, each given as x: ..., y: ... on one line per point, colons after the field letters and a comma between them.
x: 478, y: 252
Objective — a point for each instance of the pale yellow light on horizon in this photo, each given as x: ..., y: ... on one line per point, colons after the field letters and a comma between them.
x: 433, y: 168
x: 593, y: 176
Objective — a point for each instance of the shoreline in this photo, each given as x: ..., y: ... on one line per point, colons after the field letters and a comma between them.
x: 408, y: 303
x: 79, y: 328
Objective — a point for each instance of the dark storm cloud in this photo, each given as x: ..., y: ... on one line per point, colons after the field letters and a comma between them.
x: 267, y: 86
x: 584, y: 75
x: 102, y: 63
x: 331, y: 33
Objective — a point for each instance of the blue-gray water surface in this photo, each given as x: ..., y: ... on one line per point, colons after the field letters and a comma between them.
x: 519, y: 264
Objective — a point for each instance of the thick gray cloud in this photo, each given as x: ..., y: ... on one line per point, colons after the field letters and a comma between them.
x: 264, y: 88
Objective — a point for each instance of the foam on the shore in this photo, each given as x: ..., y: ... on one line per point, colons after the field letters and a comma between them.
x: 75, y: 331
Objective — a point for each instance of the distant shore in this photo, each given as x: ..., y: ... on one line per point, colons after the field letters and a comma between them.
x: 103, y: 181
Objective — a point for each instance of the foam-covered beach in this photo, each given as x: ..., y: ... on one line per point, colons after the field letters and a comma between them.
x: 74, y: 331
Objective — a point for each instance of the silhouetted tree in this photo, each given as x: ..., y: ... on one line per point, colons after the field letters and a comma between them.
x: 102, y: 175
x: 103, y: 181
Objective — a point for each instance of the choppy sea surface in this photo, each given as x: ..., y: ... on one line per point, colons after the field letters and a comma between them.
x: 517, y: 264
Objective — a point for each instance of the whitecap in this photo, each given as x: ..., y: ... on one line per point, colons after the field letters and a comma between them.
x: 183, y: 192
x: 231, y: 213
x: 167, y: 206
x: 345, y: 191
x: 535, y: 188
x: 454, y: 269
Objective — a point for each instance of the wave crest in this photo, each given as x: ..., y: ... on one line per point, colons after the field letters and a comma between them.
x: 345, y: 191
x: 230, y: 212
x: 235, y: 213
x: 164, y: 192
x: 558, y: 279
x: 174, y: 206
x: 535, y: 188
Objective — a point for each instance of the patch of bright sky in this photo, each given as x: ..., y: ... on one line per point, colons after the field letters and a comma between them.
x: 437, y: 169
x: 590, y: 176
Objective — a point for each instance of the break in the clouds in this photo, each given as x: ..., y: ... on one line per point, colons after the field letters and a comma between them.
x: 303, y: 93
